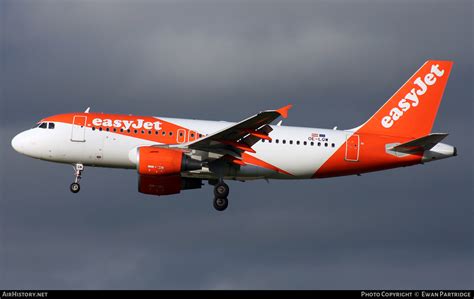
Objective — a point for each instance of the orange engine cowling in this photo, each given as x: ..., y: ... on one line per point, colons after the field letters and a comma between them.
x: 163, y: 161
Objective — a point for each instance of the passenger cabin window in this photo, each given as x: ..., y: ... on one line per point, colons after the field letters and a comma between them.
x: 42, y: 125
x: 50, y: 125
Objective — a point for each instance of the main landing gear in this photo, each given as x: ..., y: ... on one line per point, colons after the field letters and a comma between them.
x: 221, y: 191
x: 75, y: 187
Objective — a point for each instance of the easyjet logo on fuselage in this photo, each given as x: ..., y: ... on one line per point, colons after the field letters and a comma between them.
x: 127, y: 124
x: 412, y: 99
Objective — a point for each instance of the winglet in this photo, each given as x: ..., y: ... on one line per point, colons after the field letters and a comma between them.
x: 284, y: 110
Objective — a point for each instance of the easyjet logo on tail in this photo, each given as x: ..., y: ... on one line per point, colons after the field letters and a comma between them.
x: 412, y: 99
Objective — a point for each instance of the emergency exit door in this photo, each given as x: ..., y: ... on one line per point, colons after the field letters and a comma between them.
x: 352, y: 148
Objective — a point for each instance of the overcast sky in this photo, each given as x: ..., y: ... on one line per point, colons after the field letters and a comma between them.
x: 336, y: 61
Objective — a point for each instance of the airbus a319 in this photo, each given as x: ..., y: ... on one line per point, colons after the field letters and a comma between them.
x: 173, y: 154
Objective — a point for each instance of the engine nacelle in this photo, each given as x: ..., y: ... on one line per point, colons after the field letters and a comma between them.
x: 158, y: 161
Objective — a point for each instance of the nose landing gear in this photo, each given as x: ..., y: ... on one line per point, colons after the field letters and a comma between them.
x: 75, y: 187
x: 221, y: 191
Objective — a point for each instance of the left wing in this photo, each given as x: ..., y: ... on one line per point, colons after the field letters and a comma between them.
x: 239, y: 138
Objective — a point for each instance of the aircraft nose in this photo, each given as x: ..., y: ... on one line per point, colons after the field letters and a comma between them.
x: 18, y: 143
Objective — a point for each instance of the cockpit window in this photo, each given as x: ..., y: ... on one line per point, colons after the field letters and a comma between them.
x: 50, y: 125
x: 42, y: 125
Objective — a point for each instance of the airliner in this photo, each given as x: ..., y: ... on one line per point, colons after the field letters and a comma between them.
x: 174, y: 154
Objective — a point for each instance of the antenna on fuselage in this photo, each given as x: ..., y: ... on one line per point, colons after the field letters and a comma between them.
x: 87, y: 110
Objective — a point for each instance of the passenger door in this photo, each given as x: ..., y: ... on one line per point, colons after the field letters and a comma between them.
x: 352, y: 148
x: 78, y: 133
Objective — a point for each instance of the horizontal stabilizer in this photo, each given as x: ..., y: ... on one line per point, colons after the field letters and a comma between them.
x: 420, y: 144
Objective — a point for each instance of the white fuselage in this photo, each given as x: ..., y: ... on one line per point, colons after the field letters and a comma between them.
x: 293, y: 149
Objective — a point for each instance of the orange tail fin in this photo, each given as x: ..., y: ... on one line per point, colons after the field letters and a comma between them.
x: 411, y: 111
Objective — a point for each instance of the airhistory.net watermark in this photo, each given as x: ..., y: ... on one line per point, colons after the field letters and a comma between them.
x: 22, y: 294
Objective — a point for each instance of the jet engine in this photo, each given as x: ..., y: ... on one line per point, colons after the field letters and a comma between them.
x: 160, y: 170
x: 158, y: 161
